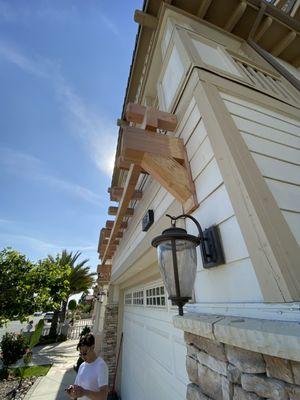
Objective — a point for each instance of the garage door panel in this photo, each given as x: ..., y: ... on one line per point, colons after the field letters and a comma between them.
x: 153, y: 360
x: 159, y: 347
x: 179, y: 351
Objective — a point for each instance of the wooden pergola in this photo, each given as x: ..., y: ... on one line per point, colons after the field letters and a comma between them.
x: 144, y: 150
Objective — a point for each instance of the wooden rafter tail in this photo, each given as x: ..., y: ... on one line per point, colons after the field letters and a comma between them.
x: 129, y: 188
x: 125, y: 165
x: 105, y: 242
x: 101, y: 238
x: 173, y: 177
x: 150, y: 118
x: 236, y: 16
x: 113, y: 247
x: 109, y: 224
x: 135, y: 113
x: 114, y: 211
x: 117, y: 192
x: 136, y: 142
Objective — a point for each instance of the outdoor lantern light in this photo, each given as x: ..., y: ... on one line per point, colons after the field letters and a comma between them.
x: 177, y: 259
x: 101, y: 296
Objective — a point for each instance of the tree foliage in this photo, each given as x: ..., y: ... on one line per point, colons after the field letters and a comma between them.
x: 17, y: 293
x: 72, y: 305
x: 26, y: 287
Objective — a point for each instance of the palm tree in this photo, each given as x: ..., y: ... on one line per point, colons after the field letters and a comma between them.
x: 80, y: 280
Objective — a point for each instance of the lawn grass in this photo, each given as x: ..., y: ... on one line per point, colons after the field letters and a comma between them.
x: 36, y: 370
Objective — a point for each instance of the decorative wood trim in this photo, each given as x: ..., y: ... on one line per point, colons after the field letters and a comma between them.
x: 105, y: 241
x: 263, y: 27
x: 117, y: 192
x: 150, y: 118
x: 114, y: 211
x: 236, y: 16
x: 129, y: 189
x: 104, y: 273
x: 283, y: 44
x: 203, y: 8
x: 145, y: 19
x: 109, y: 224
x: 272, y: 247
x: 164, y: 157
x: 136, y: 142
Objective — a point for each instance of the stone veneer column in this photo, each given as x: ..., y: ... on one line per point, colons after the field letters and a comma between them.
x: 109, y: 341
x: 223, y: 371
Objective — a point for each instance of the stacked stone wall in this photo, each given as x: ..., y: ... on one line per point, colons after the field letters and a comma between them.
x: 219, y: 371
x: 109, y: 344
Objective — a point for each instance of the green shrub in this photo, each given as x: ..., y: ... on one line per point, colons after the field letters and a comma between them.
x: 3, y: 373
x: 85, y: 331
x: 13, y: 347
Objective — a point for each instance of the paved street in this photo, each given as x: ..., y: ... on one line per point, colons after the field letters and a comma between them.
x: 16, y: 326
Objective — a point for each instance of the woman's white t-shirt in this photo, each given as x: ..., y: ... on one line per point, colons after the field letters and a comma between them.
x: 92, y: 376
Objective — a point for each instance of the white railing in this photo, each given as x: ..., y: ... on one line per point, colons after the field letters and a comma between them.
x: 73, y: 331
x: 267, y: 82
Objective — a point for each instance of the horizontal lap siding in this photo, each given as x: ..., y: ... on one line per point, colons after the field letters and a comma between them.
x: 236, y: 280
x: 274, y: 142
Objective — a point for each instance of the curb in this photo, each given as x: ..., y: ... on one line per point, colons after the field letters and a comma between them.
x: 32, y: 389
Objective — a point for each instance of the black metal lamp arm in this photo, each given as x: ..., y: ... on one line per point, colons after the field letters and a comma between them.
x: 183, y: 216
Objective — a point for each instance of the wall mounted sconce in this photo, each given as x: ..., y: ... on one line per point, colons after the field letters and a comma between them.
x: 100, y: 296
x: 177, y: 257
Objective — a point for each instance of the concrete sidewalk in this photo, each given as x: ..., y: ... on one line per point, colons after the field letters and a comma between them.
x: 52, y: 386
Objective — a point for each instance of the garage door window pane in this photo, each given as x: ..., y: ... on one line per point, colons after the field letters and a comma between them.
x: 156, y: 297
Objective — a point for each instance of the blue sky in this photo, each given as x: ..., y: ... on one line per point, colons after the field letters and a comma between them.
x: 63, y: 73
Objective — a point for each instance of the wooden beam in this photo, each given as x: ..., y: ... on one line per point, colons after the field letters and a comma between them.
x: 122, y: 164
x: 129, y: 188
x: 105, y: 242
x: 236, y: 16
x: 107, y: 233
x: 136, y: 142
x: 109, y: 224
x: 263, y: 27
x: 202, y: 10
x: 145, y: 19
x: 135, y: 113
x: 296, y: 62
x: 283, y: 44
x: 151, y: 118
x: 112, y: 247
x: 117, y: 192
x: 173, y: 177
x: 114, y: 211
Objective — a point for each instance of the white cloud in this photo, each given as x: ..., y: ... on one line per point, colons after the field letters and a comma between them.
x: 110, y: 25
x: 98, y: 135
x: 40, y: 246
x: 28, y: 166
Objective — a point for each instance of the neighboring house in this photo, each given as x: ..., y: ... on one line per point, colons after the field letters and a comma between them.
x: 229, y: 71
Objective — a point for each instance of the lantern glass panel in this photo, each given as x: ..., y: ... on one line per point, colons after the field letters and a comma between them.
x: 186, y: 262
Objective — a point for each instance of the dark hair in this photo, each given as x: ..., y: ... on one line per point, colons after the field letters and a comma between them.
x: 86, y: 340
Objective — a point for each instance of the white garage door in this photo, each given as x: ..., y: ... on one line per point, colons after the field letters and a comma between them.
x: 153, y: 361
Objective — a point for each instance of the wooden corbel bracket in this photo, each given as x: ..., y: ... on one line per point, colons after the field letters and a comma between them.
x: 163, y: 157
